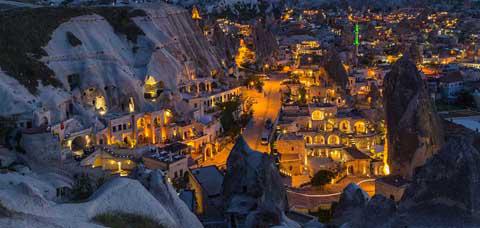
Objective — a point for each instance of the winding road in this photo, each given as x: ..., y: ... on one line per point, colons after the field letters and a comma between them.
x: 267, y: 106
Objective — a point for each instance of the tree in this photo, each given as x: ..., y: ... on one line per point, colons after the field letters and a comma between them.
x: 465, y: 99
x: 302, y: 92
x: 254, y: 81
x: 82, y: 188
x: 322, y: 178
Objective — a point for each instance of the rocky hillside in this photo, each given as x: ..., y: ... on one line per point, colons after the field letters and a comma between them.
x: 443, y: 193
x: 414, y: 131
x: 26, y: 203
x: 108, y: 50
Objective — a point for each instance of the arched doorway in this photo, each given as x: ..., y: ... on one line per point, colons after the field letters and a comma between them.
x: 44, y: 122
x: 319, y: 139
x: 202, y: 87
x: 308, y: 139
x: 360, y: 127
x: 350, y: 170
x: 333, y: 140
x: 344, y: 126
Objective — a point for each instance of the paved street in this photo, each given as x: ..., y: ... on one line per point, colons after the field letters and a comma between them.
x: 264, y: 108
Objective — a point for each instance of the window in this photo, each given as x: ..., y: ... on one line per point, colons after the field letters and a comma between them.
x: 293, y: 148
x: 124, y: 126
x: 317, y: 115
x: 114, y: 129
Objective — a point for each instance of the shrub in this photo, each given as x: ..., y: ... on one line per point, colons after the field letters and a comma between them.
x: 322, y: 178
x: 125, y: 220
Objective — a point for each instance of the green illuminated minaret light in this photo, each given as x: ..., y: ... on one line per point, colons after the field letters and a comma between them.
x: 356, y: 41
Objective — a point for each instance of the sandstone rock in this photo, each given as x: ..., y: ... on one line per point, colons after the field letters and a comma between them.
x: 352, y: 201
x: 379, y: 210
x: 156, y: 183
x: 451, y: 178
x: 414, y: 131
x: 252, y: 179
x: 265, y: 43
x: 335, y: 71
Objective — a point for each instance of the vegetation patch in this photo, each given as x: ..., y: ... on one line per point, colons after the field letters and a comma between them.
x: 322, y: 178
x: 4, y: 212
x: 125, y: 220
x: 26, y: 31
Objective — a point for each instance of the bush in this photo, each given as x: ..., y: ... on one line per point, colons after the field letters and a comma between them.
x: 4, y: 212
x: 322, y: 178
x: 82, y: 188
x: 125, y: 220
x: 73, y: 40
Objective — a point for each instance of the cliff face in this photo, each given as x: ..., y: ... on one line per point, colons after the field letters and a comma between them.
x: 111, y: 57
x: 451, y: 177
x: 252, y: 187
x: 414, y: 131
x: 265, y: 43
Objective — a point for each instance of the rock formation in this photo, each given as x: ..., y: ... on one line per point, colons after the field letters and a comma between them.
x: 253, y: 188
x: 265, y: 43
x: 29, y: 203
x: 443, y: 192
x: 414, y: 131
x: 451, y: 177
x: 113, y: 59
x: 356, y: 209
x: 337, y: 75
x: 167, y: 196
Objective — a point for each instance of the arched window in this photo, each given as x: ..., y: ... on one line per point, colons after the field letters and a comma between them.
x: 333, y: 140
x: 360, y: 127
x: 141, y: 123
x: 344, y: 126
x: 319, y: 139
x: 308, y: 139
x: 318, y: 115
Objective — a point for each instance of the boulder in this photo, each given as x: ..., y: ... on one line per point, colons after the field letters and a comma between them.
x: 449, y: 178
x: 352, y: 201
x: 379, y: 210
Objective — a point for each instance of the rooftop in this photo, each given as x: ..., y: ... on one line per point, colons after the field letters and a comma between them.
x: 210, y: 178
x: 355, y: 153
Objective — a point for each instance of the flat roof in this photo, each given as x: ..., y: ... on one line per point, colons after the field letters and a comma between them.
x: 356, y: 154
x: 210, y: 178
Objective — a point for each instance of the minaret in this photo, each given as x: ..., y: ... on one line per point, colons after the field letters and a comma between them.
x: 356, y: 42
